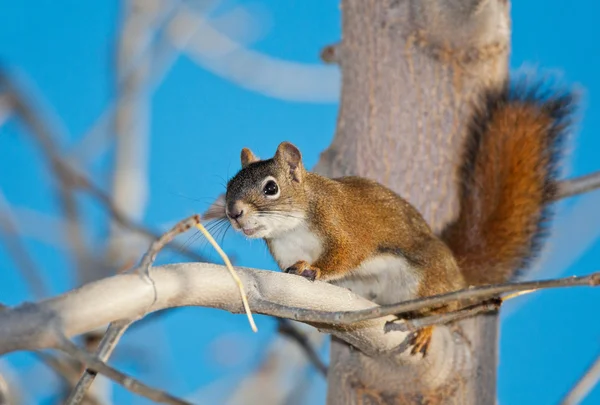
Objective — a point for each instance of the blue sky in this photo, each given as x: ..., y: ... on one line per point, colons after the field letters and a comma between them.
x: 199, y: 122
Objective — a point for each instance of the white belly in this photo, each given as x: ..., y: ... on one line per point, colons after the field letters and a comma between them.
x: 383, y: 279
x: 298, y: 244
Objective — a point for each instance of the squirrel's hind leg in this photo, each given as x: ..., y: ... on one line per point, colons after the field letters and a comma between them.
x: 418, y: 341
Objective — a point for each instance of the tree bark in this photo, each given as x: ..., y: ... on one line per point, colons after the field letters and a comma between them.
x: 410, y: 71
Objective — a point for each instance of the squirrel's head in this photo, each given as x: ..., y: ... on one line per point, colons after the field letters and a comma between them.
x: 267, y: 197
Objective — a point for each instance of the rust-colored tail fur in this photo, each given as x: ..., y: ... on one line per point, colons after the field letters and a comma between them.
x: 508, y: 181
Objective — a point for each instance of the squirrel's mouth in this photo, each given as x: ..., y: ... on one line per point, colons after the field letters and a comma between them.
x: 252, y: 231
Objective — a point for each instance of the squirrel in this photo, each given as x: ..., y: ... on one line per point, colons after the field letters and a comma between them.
x: 356, y: 233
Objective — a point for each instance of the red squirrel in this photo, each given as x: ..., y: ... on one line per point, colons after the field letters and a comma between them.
x: 357, y: 233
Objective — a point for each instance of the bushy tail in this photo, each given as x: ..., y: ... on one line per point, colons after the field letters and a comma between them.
x: 508, y: 181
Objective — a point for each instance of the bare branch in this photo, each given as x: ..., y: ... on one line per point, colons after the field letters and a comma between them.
x: 69, y: 370
x: 283, y: 79
x: 584, y: 385
x: 578, y: 185
x: 39, y: 226
x: 128, y: 296
x: 131, y: 123
x: 281, y: 372
x: 442, y: 319
x: 5, y: 392
x: 473, y: 293
x: 105, y: 348
x: 162, y: 241
x: 10, y: 233
x: 6, y: 108
x: 62, y: 368
x: 332, y: 309
x: 126, y: 381
x: 286, y: 328
x: 117, y: 329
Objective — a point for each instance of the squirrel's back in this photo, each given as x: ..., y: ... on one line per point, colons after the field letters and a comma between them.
x: 507, y: 181
x: 360, y: 204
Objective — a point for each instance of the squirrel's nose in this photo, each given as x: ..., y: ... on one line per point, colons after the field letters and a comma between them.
x: 235, y: 210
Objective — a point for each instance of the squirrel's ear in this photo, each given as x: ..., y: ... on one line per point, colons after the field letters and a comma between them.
x: 288, y: 155
x: 248, y: 157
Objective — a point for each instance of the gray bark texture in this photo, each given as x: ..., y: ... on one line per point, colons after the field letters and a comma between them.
x: 410, y: 71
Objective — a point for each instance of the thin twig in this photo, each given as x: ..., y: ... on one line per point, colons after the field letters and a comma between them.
x: 286, y: 328
x: 474, y: 294
x: 5, y: 392
x: 68, y: 368
x: 250, y: 69
x: 120, y: 378
x: 442, y: 319
x: 6, y: 108
x: 129, y: 183
x: 107, y: 345
x: 10, y: 233
x: 67, y: 371
x: 585, y: 384
x: 236, y: 278
x: 159, y: 244
x: 117, y: 329
x: 578, y: 185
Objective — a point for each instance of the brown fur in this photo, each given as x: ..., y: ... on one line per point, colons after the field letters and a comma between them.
x: 359, y: 218
x: 507, y: 183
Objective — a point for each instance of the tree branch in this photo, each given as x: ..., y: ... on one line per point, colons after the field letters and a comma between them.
x: 474, y: 293
x: 105, y: 348
x: 578, y: 185
x: 584, y: 385
x: 123, y: 379
x: 6, y: 108
x: 281, y: 372
x: 129, y: 296
x: 442, y: 319
x: 278, y: 78
x: 332, y: 309
x: 286, y: 328
x: 130, y: 186
x: 9, y: 231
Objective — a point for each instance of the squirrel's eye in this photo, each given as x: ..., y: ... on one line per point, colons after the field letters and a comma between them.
x: 270, y: 188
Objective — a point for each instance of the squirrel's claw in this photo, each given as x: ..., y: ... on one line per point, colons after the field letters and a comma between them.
x: 419, y: 341
x: 304, y: 269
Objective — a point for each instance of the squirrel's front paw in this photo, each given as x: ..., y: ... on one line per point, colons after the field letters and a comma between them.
x: 419, y: 341
x: 304, y: 269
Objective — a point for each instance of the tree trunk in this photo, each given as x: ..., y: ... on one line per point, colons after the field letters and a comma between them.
x: 410, y: 71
